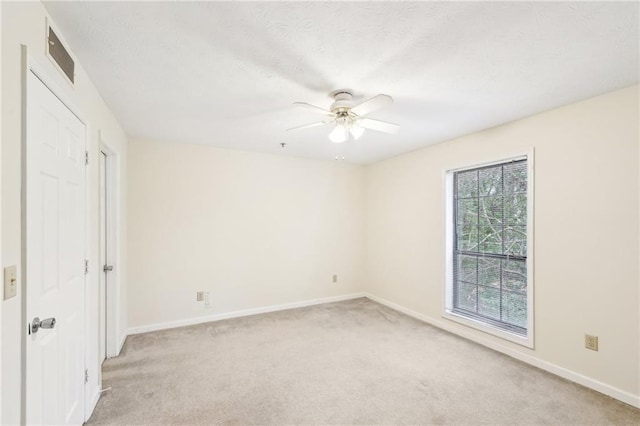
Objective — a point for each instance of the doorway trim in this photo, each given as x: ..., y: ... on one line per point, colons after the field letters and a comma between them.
x: 112, y: 218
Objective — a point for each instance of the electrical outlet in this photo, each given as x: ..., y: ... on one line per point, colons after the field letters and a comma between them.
x: 207, y: 301
x: 199, y: 296
x: 335, y: 278
x: 10, y: 282
x: 591, y: 342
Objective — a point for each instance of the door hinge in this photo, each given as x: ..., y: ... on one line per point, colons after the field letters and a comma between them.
x: 86, y: 266
x: 86, y: 158
x: 86, y: 375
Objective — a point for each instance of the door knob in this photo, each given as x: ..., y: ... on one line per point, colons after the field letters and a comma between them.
x: 36, y: 324
x: 107, y: 268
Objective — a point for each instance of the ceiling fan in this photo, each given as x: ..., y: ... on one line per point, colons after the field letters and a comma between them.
x: 349, y: 119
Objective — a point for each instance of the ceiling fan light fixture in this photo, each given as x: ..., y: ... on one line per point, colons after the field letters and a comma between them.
x: 339, y: 134
x: 356, y: 130
x: 349, y: 120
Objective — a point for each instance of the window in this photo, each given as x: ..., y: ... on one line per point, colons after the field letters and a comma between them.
x: 488, y: 262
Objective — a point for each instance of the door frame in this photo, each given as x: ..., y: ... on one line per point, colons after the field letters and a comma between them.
x: 112, y: 282
x: 51, y: 78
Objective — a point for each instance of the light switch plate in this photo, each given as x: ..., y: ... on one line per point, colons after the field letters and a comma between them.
x: 10, y: 282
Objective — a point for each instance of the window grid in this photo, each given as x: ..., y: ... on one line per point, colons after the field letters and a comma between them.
x: 506, y: 260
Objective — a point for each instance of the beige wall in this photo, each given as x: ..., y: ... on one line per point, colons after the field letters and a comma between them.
x: 24, y: 23
x: 253, y: 229
x: 586, y: 231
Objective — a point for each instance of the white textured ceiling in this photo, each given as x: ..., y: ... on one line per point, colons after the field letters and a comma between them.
x: 226, y: 73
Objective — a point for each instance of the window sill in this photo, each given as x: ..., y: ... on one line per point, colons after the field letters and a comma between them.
x: 526, y: 341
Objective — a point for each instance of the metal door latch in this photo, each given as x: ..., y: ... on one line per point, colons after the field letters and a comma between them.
x: 107, y: 268
x: 36, y: 324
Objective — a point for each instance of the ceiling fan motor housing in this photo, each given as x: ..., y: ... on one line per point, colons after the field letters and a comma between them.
x: 342, y: 103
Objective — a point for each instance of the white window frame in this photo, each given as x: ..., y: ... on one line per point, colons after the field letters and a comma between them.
x: 448, y: 313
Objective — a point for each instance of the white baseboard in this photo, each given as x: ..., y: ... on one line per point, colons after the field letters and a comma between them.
x: 242, y: 313
x: 588, y: 382
x: 596, y: 385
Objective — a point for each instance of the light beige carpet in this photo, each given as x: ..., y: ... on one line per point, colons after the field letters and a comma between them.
x: 353, y: 362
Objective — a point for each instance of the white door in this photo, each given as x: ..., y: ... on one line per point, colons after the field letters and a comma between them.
x: 55, y: 245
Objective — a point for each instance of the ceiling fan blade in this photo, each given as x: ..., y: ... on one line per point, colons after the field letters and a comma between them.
x: 319, y: 123
x: 372, y: 104
x: 313, y: 107
x: 380, y: 126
